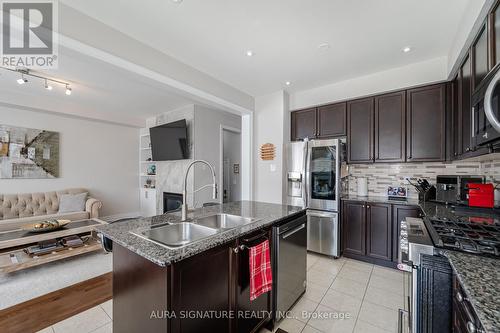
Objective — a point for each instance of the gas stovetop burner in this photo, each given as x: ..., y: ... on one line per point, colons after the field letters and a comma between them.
x: 469, y: 234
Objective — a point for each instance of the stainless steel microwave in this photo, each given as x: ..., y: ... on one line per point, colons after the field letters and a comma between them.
x: 485, y: 120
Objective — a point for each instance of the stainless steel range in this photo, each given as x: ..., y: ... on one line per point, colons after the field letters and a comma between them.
x: 455, y: 228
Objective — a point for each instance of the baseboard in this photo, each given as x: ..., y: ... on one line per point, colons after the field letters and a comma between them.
x: 116, y: 217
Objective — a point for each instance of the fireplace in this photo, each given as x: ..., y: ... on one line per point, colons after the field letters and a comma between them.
x: 171, y: 201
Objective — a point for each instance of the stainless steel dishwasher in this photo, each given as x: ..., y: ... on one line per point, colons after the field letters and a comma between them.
x: 290, y: 267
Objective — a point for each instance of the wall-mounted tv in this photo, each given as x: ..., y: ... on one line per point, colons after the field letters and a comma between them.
x: 169, y: 141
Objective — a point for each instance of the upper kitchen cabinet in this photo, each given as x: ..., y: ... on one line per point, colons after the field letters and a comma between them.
x: 390, y: 127
x: 324, y: 122
x: 456, y: 117
x: 425, y: 121
x: 465, y: 105
x: 303, y: 124
x: 360, y: 114
x: 331, y: 120
x: 495, y: 34
x: 480, y: 56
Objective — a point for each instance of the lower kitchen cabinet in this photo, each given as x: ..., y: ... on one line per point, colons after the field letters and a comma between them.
x: 370, y: 231
x: 180, y: 296
x: 378, y: 231
x: 399, y: 213
x: 210, y: 272
x: 353, y: 227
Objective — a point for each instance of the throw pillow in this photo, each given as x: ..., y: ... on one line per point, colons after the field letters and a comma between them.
x: 69, y: 203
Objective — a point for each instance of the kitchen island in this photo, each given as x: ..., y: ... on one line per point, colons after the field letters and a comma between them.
x: 199, y: 286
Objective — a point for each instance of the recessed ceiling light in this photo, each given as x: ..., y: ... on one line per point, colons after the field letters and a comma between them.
x: 250, y: 53
x: 406, y: 49
x: 68, y: 90
x: 288, y: 83
x: 324, y: 46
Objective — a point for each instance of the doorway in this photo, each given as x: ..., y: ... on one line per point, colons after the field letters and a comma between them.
x: 231, y: 164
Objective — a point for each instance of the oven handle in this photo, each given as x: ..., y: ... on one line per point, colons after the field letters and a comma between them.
x: 401, y: 313
x: 488, y: 110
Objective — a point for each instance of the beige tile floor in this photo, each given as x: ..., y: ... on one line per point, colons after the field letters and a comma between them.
x: 368, y: 296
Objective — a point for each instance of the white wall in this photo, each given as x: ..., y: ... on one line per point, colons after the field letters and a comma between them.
x: 271, y: 125
x: 231, y: 156
x: 101, y: 157
x: 207, y: 141
x: 396, y: 78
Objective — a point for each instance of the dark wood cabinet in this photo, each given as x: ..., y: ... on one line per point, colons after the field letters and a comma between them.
x: 215, y: 268
x: 242, y: 288
x: 464, y: 317
x: 495, y: 34
x: 360, y: 117
x: 480, y: 56
x: 303, y: 124
x: 465, y: 106
x: 379, y: 231
x: 390, y: 127
x: 456, y: 118
x: 370, y: 230
x: 324, y: 122
x: 331, y: 120
x: 400, y: 213
x: 353, y: 227
x: 214, y: 281
x: 425, y: 121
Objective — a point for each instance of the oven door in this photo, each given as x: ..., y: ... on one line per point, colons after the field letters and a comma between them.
x: 322, y: 175
x: 486, y: 110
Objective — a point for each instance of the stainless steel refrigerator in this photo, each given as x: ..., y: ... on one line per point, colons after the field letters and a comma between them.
x: 313, y: 181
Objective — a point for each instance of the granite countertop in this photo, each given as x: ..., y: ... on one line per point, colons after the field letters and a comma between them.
x: 480, y: 279
x: 380, y: 199
x: 265, y: 213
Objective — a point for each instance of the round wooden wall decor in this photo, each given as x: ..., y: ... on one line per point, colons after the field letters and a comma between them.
x: 267, y: 152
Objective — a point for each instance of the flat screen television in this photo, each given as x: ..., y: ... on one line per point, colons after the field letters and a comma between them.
x: 169, y: 141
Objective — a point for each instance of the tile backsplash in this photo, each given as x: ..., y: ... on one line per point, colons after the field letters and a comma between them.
x: 382, y: 175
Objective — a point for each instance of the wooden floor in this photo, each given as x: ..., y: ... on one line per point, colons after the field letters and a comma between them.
x: 46, y: 310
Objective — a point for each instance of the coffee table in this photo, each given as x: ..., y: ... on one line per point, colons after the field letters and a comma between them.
x: 13, y: 258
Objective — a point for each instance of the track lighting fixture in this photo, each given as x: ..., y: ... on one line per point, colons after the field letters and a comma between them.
x: 47, y: 82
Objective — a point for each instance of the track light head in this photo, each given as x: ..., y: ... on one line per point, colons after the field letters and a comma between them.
x: 47, y: 86
x: 22, y: 80
x: 68, y: 90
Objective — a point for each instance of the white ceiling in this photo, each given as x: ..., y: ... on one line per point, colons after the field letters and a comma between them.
x: 100, y: 90
x: 366, y: 36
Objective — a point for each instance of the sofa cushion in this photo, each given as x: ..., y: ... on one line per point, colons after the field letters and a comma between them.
x: 12, y: 224
x: 32, y: 204
x: 72, y: 202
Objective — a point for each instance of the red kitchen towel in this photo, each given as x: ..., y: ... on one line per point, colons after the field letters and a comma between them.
x: 261, y: 277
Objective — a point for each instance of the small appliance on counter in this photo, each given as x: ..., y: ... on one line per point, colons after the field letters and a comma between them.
x: 362, y: 183
x: 481, y: 195
x: 454, y: 189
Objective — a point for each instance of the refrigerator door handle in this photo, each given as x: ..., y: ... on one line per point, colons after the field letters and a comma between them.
x: 306, y: 174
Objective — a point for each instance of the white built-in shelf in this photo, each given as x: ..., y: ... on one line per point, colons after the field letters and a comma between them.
x: 146, y: 175
x: 148, y: 148
x: 144, y: 135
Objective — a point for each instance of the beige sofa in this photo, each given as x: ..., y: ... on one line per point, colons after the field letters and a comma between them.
x: 19, y: 209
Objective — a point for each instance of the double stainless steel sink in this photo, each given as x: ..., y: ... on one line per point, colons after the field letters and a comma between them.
x: 183, y: 233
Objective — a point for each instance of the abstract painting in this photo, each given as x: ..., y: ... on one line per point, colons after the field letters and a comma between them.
x: 28, y: 153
